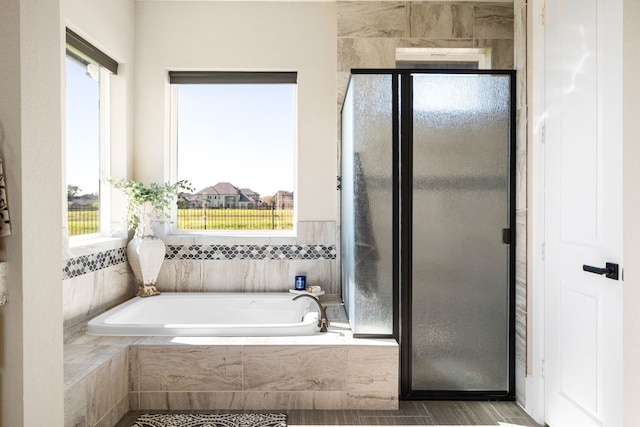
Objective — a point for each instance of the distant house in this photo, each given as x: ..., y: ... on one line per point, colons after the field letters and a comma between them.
x: 283, y: 200
x: 85, y: 201
x: 220, y: 196
x: 249, y: 199
x: 188, y: 201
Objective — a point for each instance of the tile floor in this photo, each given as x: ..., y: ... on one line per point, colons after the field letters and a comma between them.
x: 424, y: 413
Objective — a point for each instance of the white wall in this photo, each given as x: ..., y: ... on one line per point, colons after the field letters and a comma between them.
x: 257, y: 36
x: 30, y: 119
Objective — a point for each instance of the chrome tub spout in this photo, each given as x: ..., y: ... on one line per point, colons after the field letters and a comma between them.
x: 323, y: 322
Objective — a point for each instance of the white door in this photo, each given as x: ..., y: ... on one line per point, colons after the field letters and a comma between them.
x: 583, y: 212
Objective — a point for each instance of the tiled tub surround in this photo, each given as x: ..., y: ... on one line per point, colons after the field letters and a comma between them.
x: 91, y: 293
x: 96, y: 381
x: 323, y: 371
x: 245, y: 275
x: 252, y: 264
x: 246, y: 268
x: 250, y: 251
x: 89, y: 263
x: 97, y: 277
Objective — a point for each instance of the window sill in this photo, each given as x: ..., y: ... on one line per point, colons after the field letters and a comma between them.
x: 89, y: 246
x: 234, y: 233
x: 231, y: 237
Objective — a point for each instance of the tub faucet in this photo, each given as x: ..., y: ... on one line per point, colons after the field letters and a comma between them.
x: 323, y: 322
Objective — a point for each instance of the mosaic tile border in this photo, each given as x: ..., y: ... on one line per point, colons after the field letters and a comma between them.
x: 258, y: 252
x: 93, y: 262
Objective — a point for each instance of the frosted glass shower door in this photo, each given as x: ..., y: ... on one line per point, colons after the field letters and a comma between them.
x: 460, y: 206
x: 367, y: 204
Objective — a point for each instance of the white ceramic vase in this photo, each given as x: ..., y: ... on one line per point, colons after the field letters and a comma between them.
x: 146, y: 254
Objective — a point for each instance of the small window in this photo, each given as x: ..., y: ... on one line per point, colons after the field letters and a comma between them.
x: 87, y: 122
x: 234, y: 141
x: 443, y: 58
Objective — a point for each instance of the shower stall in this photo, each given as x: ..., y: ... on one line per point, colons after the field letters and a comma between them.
x: 427, y: 225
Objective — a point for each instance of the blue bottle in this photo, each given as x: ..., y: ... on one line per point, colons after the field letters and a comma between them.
x: 301, y: 283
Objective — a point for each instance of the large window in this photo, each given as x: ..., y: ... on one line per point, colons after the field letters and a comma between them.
x: 234, y: 141
x: 87, y: 140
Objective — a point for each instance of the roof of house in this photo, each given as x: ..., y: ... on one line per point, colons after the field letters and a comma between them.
x: 249, y: 192
x: 221, y: 188
x: 188, y: 197
x: 207, y: 190
x: 85, y: 199
x: 248, y: 195
x: 225, y: 188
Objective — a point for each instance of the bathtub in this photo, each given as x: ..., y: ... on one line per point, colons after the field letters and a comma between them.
x: 209, y: 314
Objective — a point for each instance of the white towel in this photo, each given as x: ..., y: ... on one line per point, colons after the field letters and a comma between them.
x: 5, y: 226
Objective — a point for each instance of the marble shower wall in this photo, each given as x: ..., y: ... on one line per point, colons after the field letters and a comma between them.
x: 370, y: 31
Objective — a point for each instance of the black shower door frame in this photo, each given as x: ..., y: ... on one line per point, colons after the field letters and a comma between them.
x: 403, y: 232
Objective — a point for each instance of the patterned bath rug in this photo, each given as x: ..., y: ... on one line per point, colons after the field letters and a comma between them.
x: 209, y: 420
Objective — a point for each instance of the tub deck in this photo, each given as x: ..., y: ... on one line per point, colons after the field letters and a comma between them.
x: 105, y: 377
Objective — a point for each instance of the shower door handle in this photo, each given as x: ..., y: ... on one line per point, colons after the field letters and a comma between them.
x: 506, y: 236
x: 610, y: 270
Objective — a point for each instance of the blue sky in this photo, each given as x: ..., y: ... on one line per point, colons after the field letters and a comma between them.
x: 83, y: 121
x: 242, y: 134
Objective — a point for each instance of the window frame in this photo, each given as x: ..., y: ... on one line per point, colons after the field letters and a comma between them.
x: 78, y: 47
x: 176, y: 78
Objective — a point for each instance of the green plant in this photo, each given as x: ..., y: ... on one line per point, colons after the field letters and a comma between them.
x: 157, y: 197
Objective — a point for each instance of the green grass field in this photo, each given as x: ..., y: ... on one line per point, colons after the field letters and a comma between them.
x: 87, y: 221
x: 83, y: 222
x: 235, y: 219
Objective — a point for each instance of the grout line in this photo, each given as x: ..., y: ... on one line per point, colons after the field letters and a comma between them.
x: 498, y: 413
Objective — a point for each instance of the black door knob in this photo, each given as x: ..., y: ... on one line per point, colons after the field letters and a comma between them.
x: 610, y: 271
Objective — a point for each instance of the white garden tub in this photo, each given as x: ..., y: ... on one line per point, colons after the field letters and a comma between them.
x: 210, y: 315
